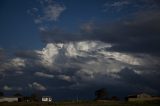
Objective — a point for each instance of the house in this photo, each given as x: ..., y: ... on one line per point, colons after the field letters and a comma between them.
x: 47, y: 99
x: 9, y: 99
x: 141, y: 97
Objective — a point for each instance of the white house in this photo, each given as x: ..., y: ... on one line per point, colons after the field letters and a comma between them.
x: 8, y: 99
x: 46, y: 99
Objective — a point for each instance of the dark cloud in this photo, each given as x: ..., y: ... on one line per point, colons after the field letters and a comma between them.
x: 26, y: 54
x: 141, y: 82
x: 129, y: 76
x: 2, y: 54
x: 76, y: 75
x: 140, y: 33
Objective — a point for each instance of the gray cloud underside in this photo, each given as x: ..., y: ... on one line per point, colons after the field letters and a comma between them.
x: 78, y: 66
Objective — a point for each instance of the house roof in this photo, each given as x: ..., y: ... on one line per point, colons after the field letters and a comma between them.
x: 135, y: 95
x: 46, y: 97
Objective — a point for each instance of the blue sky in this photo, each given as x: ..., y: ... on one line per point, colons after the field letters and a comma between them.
x: 70, y: 46
x: 17, y: 26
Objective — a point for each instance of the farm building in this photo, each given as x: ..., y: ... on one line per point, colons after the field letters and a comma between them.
x: 141, y: 97
x: 9, y: 99
x: 47, y: 99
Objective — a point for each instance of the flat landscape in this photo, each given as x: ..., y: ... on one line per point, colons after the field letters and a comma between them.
x: 89, y: 103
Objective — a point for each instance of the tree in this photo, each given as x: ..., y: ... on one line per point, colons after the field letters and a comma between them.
x: 114, y: 98
x: 1, y: 94
x: 34, y: 97
x: 101, y: 94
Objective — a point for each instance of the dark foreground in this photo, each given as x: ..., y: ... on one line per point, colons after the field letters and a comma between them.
x: 89, y: 103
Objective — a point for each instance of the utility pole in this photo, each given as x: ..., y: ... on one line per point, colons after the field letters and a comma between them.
x: 77, y: 99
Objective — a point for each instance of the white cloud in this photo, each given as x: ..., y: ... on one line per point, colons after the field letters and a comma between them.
x: 91, y: 59
x: 37, y: 86
x: 118, y: 3
x: 7, y: 88
x: 41, y: 74
x: 91, y: 62
x: 52, y: 51
x: 65, y: 78
x: 19, y: 72
x: 48, y: 54
x: 106, y: 61
x: 102, y: 62
x: 94, y: 61
x: 75, y: 48
x: 122, y: 4
x: 18, y: 62
x: 15, y: 63
x: 52, y: 12
x: 122, y: 57
x: 49, y: 11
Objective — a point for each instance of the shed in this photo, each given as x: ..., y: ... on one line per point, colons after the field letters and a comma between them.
x: 9, y: 99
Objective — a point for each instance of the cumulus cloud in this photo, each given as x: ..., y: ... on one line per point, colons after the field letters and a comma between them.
x: 94, y: 63
x: 49, y: 11
x: 82, y: 64
x: 41, y: 74
x: 52, y: 12
x: 65, y: 78
x: 37, y: 86
x: 96, y: 49
x: 50, y: 54
x: 18, y: 62
x: 15, y: 63
x: 8, y: 88
x: 119, y: 5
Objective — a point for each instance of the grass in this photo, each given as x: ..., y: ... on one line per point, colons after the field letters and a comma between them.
x: 82, y: 103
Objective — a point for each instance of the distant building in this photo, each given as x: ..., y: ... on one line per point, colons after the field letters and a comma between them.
x: 47, y: 99
x: 141, y: 97
x: 9, y: 99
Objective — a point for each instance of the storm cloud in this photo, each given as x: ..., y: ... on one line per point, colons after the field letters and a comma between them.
x: 81, y: 65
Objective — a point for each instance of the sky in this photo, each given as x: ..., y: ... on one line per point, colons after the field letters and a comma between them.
x: 71, y: 48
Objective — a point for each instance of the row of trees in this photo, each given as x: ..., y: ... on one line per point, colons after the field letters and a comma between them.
x: 101, y: 94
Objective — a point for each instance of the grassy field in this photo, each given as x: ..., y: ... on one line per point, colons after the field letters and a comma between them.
x: 89, y: 103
